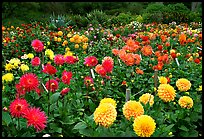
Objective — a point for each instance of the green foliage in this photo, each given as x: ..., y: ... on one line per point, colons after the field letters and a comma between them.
x: 122, y: 19
x: 97, y: 17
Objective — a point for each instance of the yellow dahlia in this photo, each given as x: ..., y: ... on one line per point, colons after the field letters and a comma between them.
x: 30, y: 55
x: 183, y: 84
x: 24, y: 67
x: 166, y: 92
x: 108, y: 100
x: 162, y: 80
x: 185, y: 102
x: 8, y: 67
x: 8, y: 77
x: 145, y: 98
x: 105, y: 114
x: 15, y: 62
x: 144, y: 126
x: 132, y: 109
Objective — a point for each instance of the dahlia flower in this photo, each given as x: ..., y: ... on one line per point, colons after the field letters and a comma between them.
x: 185, y: 102
x: 36, y: 118
x: 108, y: 100
x: 144, y: 126
x: 49, y: 69
x: 88, y: 81
x: 183, y: 84
x: 64, y: 91
x: 8, y: 77
x: 51, y: 85
x: 18, y: 107
x: 105, y: 114
x: 166, y: 92
x: 162, y: 80
x: 145, y: 98
x: 37, y: 45
x: 35, y: 61
x: 91, y: 61
x: 132, y: 109
x: 66, y: 77
x: 29, y: 81
x: 59, y: 59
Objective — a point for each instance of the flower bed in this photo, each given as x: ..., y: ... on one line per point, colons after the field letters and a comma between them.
x: 131, y: 80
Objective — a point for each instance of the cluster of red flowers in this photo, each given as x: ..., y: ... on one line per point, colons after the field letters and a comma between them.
x: 106, y: 67
x: 162, y: 59
x: 34, y: 116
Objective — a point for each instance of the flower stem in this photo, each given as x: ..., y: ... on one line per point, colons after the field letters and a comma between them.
x: 19, y: 124
x: 49, y: 98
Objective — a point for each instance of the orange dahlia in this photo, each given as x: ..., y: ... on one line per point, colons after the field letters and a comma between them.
x: 147, y: 97
x: 183, y: 84
x: 132, y: 109
x: 166, y: 92
x: 185, y: 102
x: 147, y: 50
x: 108, y: 100
x: 144, y: 126
x: 105, y: 114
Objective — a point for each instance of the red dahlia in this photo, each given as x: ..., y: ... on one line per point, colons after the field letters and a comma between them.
x: 49, y: 69
x: 59, y: 59
x: 18, y: 107
x: 91, y: 61
x: 35, y: 61
x: 37, y: 45
x: 29, y: 81
x: 36, y: 118
x: 66, y: 77
x: 52, y: 85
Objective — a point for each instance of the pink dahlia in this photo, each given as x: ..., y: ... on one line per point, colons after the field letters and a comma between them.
x: 49, y: 69
x: 51, y: 85
x: 107, y: 64
x: 37, y: 45
x: 66, y: 77
x: 59, y: 59
x: 36, y: 118
x: 18, y: 107
x: 70, y: 60
x: 35, y: 61
x: 29, y: 81
x: 91, y: 61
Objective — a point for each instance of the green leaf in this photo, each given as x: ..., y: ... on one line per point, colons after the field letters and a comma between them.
x: 193, y: 133
x: 54, y: 97
x: 6, y: 118
x: 168, y: 128
x: 182, y: 127
x: 86, y: 132
x: 80, y: 125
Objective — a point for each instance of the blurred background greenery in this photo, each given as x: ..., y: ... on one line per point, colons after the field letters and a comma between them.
x: 113, y: 12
